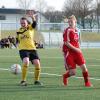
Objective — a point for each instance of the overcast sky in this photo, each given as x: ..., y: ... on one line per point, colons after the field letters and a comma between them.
x: 57, y: 4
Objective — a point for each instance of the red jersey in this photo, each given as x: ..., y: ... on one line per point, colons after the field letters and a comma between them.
x: 71, y: 36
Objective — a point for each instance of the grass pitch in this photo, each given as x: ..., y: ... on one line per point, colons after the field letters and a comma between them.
x: 52, y: 68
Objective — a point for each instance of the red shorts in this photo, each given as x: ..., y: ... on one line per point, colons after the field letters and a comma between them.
x: 74, y: 59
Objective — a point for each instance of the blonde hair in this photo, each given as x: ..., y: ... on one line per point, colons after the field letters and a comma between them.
x: 73, y: 18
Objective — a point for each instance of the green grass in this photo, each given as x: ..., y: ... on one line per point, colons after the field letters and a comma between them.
x: 52, y: 63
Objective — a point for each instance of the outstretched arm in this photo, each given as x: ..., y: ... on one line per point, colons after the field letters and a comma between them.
x: 33, y: 17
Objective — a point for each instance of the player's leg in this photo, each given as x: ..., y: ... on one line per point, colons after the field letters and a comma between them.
x: 69, y: 73
x: 37, y: 69
x: 65, y: 75
x: 25, y: 60
x: 37, y: 72
x: 85, y: 75
x: 71, y: 69
x: 24, y: 68
x: 36, y: 61
x: 81, y: 62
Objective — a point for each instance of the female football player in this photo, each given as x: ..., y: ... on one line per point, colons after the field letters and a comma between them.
x: 27, y: 48
x: 73, y: 54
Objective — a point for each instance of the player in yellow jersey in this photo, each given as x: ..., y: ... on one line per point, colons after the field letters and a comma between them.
x: 27, y: 49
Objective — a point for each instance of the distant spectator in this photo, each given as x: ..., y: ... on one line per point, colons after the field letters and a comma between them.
x: 4, y: 43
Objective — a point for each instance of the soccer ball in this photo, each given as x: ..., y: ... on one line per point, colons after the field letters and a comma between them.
x: 15, y: 69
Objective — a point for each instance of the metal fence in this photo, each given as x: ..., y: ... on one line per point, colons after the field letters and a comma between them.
x: 52, y: 33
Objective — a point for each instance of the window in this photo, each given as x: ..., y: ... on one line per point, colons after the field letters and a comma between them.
x: 2, y: 17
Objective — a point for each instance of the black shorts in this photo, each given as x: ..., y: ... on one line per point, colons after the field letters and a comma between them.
x: 31, y: 54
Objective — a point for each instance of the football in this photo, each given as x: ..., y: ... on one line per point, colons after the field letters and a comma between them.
x: 15, y: 69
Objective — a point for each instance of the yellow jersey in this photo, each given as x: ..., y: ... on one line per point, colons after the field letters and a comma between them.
x: 26, y: 38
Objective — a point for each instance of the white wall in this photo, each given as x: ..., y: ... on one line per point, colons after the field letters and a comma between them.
x: 11, y: 18
x: 12, y: 21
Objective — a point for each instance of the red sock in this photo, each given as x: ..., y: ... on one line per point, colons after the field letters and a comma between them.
x: 86, y: 76
x: 66, y: 75
x: 65, y: 78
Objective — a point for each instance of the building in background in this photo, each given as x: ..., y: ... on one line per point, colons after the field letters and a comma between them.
x: 9, y: 18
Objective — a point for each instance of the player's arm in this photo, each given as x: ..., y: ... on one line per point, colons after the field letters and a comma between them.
x: 34, y: 21
x: 17, y: 40
x: 33, y: 17
x: 34, y: 24
x: 72, y: 47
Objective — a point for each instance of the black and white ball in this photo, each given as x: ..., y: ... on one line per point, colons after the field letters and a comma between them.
x: 15, y: 69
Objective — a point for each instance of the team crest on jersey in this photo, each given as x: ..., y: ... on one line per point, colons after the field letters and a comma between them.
x: 23, y: 36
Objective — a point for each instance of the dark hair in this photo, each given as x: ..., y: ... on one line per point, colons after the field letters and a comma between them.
x: 24, y: 18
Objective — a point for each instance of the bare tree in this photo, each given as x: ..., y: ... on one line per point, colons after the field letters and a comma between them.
x: 91, y: 20
x: 25, y: 4
x: 98, y: 13
x: 40, y: 5
x: 49, y: 13
x: 80, y: 8
x: 54, y: 16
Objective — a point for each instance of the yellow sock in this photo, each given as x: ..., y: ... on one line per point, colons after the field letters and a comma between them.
x: 37, y: 73
x: 24, y: 72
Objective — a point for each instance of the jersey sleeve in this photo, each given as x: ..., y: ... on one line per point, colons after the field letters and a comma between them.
x: 17, y: 41
x: 33, y: 25
x: 66, y: 35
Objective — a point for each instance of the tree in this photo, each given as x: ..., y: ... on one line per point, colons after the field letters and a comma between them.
x: 25, y: 4
x: 54, y: 16
x: 91, y: 20
x: 80, y: 8
x: 40, y: 5
x: 98, y: 13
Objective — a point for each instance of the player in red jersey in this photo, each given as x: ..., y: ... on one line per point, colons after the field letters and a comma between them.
x: 72, y: 53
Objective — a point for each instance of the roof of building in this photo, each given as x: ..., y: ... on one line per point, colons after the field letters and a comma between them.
x: 12, y: 11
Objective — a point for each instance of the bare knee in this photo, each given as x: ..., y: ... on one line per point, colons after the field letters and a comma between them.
x: 72, y: 72
x: 36, y: 62
x: 83, y: 68
x: 26, y: 61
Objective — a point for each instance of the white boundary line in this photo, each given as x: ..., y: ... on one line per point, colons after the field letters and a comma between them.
x: 96, y: 79
x: 4, y: 69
